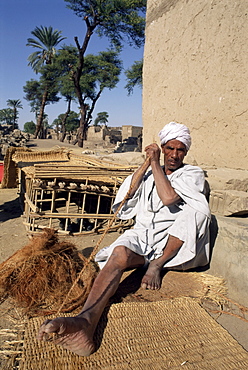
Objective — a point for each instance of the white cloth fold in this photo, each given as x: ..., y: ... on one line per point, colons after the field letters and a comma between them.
x: 187, y: 220
x: 175, y: 131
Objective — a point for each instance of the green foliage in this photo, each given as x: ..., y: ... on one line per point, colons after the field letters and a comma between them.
x: 49, y: 82
x: 34, y: 91
x: 65, y: 62
x: 99, y: 72
x: 41, y: 61
x: 46, y: 41
x: 6, y: 116
x: 102, y: 117
x: 15, y: 104
x: 72, y: 73
x: 29, y: 127
x: 72, y: 121
x: 134, y: 76
x: 118, y: 20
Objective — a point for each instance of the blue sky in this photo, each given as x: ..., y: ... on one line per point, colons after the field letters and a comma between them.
x: 17, y: 19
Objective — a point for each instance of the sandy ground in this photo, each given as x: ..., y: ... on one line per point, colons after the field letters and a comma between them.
x: 13, y: 236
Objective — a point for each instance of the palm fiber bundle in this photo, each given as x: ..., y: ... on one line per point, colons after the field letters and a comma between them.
x: 39, y: 276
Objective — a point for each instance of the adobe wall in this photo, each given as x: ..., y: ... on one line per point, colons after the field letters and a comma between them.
x: 195, y: 72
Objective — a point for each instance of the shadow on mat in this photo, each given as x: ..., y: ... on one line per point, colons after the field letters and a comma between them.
x: 128, y: 286
x: 98, y: 335
x: 131, y: 284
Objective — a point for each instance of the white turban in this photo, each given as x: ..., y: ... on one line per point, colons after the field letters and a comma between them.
x: 175, y: 131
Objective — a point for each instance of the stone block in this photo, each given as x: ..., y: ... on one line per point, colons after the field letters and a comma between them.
x: 230, y: 255
x: 227, y: 179
x: 228, y: 202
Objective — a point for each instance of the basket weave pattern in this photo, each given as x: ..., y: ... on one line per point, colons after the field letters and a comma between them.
x: 171, y: 334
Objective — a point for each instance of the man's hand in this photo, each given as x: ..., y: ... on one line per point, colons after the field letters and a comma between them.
x: 153, y: 152
x: 164, y: 189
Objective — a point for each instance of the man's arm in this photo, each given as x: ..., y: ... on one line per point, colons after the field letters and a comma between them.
x: 164, y: 189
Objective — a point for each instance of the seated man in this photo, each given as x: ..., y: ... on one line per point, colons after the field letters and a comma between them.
x: 171, y: 231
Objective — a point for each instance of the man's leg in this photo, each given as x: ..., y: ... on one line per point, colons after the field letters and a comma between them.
x: 76, y: 333
x: 152, y: 278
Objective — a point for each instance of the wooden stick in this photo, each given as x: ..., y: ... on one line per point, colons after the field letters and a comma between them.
x: 71, y: 215
x: 31, y: 204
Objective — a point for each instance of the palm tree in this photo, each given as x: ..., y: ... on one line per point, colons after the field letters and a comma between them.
x: 15, y: 104
x: 46, y: 41
x: 102, y: 117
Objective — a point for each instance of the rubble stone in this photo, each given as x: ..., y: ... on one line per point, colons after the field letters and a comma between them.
x: 229, y: 202
x: 9, y: 138
x: 228, y: 191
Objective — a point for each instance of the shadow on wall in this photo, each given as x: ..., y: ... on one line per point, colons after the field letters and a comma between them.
x: 213, y: 234
x: 213, y: 223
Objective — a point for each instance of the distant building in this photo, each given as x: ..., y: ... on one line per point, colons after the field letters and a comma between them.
x: 130, y: 131
x: 51, y: 133
x: 103, y: 133
x: 126, y: 138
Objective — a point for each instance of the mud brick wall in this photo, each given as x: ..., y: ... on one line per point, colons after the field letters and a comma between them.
x: 195, y: 72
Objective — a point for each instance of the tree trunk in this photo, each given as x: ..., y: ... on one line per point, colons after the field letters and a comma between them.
x: 81, y: 128
x: 57, y: 130
x: 80, y: 136
x: 64, y: 120
x: 63, y: 133
x: 14, y: 124
x: 40, y: 118
x: 76, y: 79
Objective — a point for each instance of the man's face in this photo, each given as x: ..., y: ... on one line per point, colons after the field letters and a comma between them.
x: 174, y: 152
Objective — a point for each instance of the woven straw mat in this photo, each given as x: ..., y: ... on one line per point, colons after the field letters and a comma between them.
x: 171, y: 334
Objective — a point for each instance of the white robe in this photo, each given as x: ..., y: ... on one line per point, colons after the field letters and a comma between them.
x: 188, y: 220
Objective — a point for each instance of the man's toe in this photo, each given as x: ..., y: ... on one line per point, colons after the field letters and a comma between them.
x: 144, y: 286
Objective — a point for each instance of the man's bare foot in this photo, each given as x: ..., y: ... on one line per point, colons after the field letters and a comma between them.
x: 72, y: 333
x: 152, y: 278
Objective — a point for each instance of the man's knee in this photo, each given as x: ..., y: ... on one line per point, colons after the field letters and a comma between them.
x: 122, y: 256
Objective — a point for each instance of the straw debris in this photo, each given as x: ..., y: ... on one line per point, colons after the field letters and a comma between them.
x: 38, y: 276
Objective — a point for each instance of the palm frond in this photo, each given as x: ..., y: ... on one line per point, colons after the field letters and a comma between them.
x: 46, y: 41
